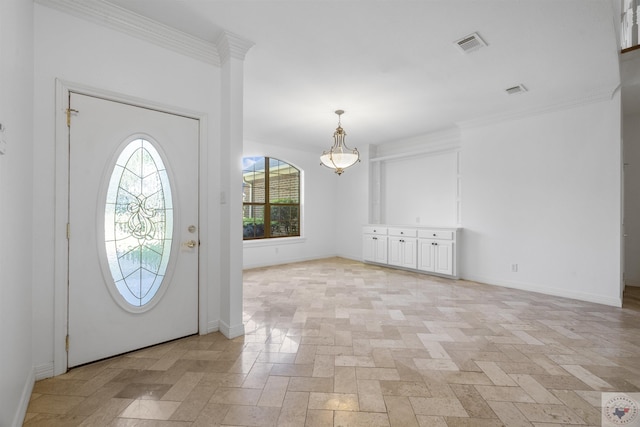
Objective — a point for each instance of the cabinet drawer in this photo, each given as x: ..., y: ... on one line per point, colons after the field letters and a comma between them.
x: 435, y: 234
x: 372, y: 229
x: 403, y: 232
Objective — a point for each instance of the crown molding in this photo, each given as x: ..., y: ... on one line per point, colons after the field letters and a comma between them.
x: 232, y: 46
x: 603, y: 94
x: 123, y: 20
x: 444, y: 140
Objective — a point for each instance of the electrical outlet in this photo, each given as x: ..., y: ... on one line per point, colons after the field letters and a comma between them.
x: 514, y: 268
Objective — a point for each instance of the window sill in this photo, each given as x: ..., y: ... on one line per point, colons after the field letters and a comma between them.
x: 273, y: 242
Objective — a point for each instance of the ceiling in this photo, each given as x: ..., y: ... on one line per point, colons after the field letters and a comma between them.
x: 393, y: 66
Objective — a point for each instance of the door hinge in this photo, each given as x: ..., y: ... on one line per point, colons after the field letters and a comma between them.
x: 68, y: 231
x: 66, y: 343
x: 69, y: 111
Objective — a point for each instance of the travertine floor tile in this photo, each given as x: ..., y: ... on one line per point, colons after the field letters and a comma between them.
x: 191, y: 407
x: 536, y: 412
x: 431, y: 421
x: 322, y: 385
x: 54, y: 404
x: 450, y: 407
x: 150, y: 409
x: 274, y: 392
x: 236, y: 396
x: 319, y: 418
x: 472, y: 402
x: 338, y: 342
x: 509, y: 414
x: 400, y: 411
x: 334, y: 401
x: 53, y: 420
x: 294, y: 409
x: 106, y: 413
x: 504, y: 394
x: 211, y: 415
x: 360, y: 419
x: 242, y: 415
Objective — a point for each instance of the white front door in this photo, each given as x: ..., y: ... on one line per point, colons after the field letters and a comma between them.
x: 133, y: 228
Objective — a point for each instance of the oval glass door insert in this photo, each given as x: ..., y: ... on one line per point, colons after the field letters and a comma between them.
x: 138, y: 224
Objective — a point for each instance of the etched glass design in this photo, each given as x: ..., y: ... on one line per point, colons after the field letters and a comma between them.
x: 138, y: 223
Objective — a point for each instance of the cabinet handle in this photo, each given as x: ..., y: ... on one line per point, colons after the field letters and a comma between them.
x: 402, y: 232
x: 377, y: 230
x: 401, y: 241
x: 434, y: 234
x: 375, y: 238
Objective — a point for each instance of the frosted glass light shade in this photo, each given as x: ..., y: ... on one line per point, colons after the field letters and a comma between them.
x: 339, y: 157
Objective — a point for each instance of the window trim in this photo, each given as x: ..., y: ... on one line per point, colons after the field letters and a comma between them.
x: 275, y: 241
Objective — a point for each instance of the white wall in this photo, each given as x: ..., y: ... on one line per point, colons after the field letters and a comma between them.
x: 319, y: 215
x: 420, y: 190
x: 352, y: 203
x: 631, y: 137
x: 80, y: 52
x: 16, y: 204
x: 544, y: 192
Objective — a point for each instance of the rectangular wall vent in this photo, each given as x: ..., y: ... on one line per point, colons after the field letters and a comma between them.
x: 470, y: 43
x: 515, y: 89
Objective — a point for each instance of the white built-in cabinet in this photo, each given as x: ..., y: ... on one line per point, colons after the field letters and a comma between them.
x: 432, y: 250
x: 436, y: 251
x: 403, y: 247
x: 374, y: 244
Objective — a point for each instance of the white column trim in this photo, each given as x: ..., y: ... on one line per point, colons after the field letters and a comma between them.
x: 231, y: 151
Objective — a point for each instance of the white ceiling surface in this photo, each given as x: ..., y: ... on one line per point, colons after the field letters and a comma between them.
x: 392, y: 65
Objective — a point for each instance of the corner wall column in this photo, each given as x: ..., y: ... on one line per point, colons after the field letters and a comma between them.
x: 232, y: 50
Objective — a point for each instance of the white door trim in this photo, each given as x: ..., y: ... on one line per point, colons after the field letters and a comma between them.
x: 61, y: 214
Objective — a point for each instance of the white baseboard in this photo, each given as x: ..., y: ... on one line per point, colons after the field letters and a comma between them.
x: 44, y: 371
x: 21, y: 410
x: 249, y: 266
x: 231, y: 331
x: 212, y: 326
x: 582, y: 296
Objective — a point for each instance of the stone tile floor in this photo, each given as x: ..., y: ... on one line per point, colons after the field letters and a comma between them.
x: 336, y: 342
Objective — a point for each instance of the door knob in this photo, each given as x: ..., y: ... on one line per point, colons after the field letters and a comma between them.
x: 191, y: 244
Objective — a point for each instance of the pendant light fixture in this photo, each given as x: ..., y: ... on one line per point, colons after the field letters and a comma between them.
x: 339, y: 157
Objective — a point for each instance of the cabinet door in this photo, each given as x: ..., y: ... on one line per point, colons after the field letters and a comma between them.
x: 426, y: 255
x: 395, y: 251
x: 444, y: 257
x: 368, y: 248
x: 409, y: 257
x: 381, y: 249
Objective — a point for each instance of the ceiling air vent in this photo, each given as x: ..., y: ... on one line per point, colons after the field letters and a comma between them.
x: 515, y: 89
x: 470, y: 43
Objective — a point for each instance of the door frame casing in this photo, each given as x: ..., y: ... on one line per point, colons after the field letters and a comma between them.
x: 61, y: 210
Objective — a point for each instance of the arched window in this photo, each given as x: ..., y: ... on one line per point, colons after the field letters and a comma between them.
x: 271, y: 198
